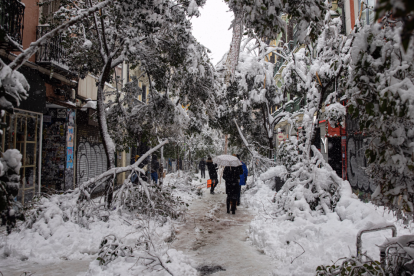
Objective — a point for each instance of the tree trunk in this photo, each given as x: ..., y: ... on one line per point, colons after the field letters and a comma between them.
x: 271, y: 146
x: 313, y: 136
x: 268, y: 129
x: 103, y: 129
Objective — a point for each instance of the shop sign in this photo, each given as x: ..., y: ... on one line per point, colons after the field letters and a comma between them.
x: 61, y: 113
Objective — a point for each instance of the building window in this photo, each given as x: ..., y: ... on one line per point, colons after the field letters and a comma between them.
x: 48, y: 10
x: 272, y: 58
x: 367, y: 13
x: 144, y: 93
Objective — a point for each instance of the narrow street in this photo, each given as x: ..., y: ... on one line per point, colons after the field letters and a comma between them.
x: 217, y: 240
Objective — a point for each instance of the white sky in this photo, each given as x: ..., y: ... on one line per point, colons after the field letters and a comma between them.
x: 211, y: 28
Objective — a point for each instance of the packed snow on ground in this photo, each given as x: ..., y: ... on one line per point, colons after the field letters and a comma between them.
x: 323, y: 239
x: 51, y: 239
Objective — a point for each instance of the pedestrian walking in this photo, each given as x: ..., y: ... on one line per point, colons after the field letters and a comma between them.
x: 144, y: 167
x: 232, y: 177
x: 169, y: 165
x: 212, y: 172
x: 161, y: 173
x: 202, y: 166
x: 134, y: 176
x: 243, y: 178
x: 154, y: 168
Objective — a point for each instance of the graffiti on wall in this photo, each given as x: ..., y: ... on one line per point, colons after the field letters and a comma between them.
x: 70, y: 135
x: 91, y: 159
x: 356, y: 145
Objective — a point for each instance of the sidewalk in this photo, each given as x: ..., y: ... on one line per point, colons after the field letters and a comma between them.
x: 217, y: 240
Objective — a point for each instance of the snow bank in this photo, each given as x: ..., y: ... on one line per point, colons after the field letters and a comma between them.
x: 55, y: 236
x: 174, y: 260
x: 324, y: 239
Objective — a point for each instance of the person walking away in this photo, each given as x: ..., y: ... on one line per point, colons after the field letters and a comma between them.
x: 144, y: 166
x: 232, y: 177
x: 154, y: 168
x: 134, y: 176
x: 202, y: 166
x: 212, y: 172
x: 161, y: 173
x: 243, y: 178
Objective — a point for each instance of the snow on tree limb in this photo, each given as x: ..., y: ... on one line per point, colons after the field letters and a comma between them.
x: 118, y: 170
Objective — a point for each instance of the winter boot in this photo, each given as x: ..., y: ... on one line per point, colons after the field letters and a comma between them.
x: 233, y: 206
x: 228, y: 205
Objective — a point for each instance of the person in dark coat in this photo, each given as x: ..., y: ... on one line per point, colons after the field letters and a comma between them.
x: 212, y: 172
x: 134, y: 176
x: 202, y: 166
x: 243, y: 178
x: 232, y: 177
x: 155, y: 165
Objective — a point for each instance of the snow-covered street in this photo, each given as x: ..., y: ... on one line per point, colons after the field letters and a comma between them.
x: 215, y: 241
x: 219, y: 241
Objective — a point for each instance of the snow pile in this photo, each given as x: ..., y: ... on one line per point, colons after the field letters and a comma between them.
x: 299, y: 246
x: 57, y: 231
x: 15, y: 87
x: 11, y: 161
x: 147, y: 253
x: 182, y: 185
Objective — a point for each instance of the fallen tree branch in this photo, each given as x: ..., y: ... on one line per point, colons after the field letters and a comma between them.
x: 118, y: 170
x: 300, y: 254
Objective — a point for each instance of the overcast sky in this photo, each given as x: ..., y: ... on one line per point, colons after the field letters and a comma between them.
x: 211, y: 28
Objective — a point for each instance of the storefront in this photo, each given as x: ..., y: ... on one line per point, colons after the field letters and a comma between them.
x: 58, y: 148
x: 24, y: 134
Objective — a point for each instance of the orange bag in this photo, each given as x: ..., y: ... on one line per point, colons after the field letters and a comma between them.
x: 209, y: 183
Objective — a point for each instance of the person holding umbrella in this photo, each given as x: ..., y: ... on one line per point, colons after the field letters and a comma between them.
x: 231, y: 174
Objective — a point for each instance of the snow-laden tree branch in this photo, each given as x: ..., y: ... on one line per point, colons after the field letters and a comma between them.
x: 96, y: 181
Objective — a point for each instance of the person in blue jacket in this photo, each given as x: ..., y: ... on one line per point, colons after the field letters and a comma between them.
x: 243, y: 178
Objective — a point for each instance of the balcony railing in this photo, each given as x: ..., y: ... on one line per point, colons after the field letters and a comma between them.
x: 52, y: 54
x: 11, y: 23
